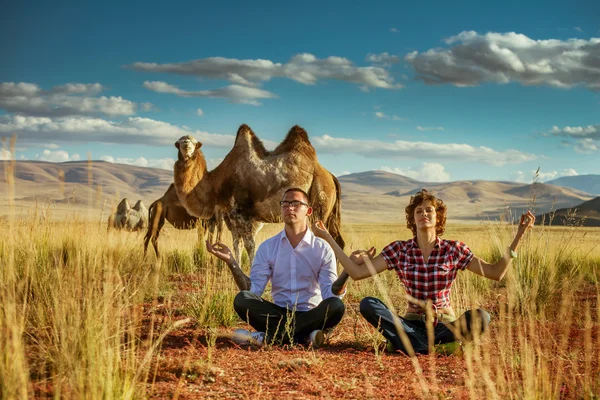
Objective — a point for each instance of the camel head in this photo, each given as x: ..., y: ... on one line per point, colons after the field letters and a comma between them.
x: 187, y: 145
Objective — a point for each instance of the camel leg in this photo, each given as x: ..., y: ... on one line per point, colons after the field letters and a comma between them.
x: 156, y: 220
x: 161, y: 222
x: 252, y: 229
x: 233, y: 226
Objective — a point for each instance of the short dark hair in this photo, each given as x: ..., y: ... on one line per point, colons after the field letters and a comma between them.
x: 440, y: 211
x: 296, y: 189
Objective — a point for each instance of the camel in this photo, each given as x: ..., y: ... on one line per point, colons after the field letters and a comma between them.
x: 118, y: 219
x: 169, y: 208
x: 137, y: 217
x: 129, y: 218
x: 248, y: 184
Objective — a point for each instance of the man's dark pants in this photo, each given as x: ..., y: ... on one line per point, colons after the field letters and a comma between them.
x: 283, y: 325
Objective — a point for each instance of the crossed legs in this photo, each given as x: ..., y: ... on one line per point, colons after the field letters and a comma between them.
x: 464, y: 328
x: 283, y: 325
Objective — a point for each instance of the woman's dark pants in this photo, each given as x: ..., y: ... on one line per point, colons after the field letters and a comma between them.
x: 469, y: 324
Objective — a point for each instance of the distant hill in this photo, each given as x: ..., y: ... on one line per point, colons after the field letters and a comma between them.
x: 382, y: 196
x: 372, y: 196
x: 587, y: 183
x: 584, y: 214
x: 98, y: 184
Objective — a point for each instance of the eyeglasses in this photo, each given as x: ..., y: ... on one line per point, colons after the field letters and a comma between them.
x: 294, y: 203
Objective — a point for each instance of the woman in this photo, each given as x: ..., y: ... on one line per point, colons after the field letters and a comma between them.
x: 427, y: 266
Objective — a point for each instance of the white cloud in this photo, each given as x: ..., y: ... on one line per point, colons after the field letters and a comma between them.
x: 519, y: 176
x: 569, y: 172
x: 394, y: 30
x: 382, y: 115
x: 234, y: 93
x: 426, y: 172
x: 9, y: 89
x: 61, y: 101
x: 163, y: 163
x: 212, y: 163
x: 501, y: 58
x: 578, y: 29
x: 586, y: 138
x: 587, y: 146
x: 420, y: 150
x: 78, y: 88
x: 199, y: 112
x: 56, y: 156
x: 5, y: 155
x: 35, y: 130
x: 430, y: 128
x: 385, y: 59
x: 576, y: 132
x: 304, y: 68
x: 148, y: 107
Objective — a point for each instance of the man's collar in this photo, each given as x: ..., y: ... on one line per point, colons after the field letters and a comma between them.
x: 308, y: 237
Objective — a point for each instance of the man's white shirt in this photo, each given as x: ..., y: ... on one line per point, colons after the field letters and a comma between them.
x: 300, y: 277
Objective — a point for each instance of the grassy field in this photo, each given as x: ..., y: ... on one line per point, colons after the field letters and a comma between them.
x: 84, y: 315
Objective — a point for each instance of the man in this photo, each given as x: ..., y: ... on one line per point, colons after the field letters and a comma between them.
x: 302, y: 271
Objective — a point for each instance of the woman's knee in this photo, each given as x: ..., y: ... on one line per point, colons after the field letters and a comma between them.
x: 476, y: 320
x: 368, y: 305
x: 484, y: 318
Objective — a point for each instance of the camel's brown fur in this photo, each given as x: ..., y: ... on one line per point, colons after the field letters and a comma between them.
x: 248, y: 185
x: 169, y: 208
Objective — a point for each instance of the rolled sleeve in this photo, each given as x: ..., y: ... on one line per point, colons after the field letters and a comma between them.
x: 463, y: 255
x: 391, y: 254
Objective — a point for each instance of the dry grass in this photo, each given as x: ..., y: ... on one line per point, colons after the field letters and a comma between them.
x: 83, y: 315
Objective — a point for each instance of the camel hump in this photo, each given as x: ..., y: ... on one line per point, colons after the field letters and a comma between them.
x: 139, y: 206
x: 246, y: 138
x: 123, y: 206
x: 296, y: 140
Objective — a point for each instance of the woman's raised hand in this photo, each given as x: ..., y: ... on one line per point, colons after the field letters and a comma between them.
x: 526, y: 222
x: 318, y: 228
x: 356, y: 255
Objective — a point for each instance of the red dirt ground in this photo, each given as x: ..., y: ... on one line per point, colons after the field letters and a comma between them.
x: 188, y: 367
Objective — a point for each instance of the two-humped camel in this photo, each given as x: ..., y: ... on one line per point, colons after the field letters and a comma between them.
x: 249, y: 183
x: 169, y: 208
x: 129, y: 218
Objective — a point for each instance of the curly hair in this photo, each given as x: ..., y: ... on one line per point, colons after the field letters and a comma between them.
x: 440, y: 211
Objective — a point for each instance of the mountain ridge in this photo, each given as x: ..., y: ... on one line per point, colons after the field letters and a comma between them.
x: 369, y: 196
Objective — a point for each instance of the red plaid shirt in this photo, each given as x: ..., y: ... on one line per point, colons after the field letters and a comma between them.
x: 434, y: 279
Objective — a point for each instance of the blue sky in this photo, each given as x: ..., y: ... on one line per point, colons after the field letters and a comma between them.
x: 436, y: 91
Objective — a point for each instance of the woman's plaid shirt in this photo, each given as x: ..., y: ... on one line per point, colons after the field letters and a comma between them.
x: 434, y: 279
